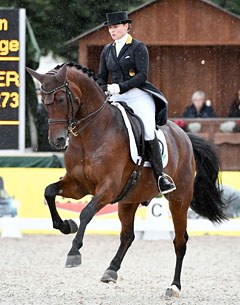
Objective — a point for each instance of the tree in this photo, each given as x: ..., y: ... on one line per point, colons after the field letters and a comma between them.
x: 230, y: 5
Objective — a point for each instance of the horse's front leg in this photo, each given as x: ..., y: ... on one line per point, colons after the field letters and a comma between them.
x: 63, y: 187
x: 105, y: 192
x: 74, y: 256
x: 126, y: 213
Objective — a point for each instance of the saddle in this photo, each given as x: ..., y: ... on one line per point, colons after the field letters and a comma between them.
x: 137, y: 129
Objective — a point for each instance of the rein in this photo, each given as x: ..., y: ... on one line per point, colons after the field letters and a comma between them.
x: 71, y: 121
x: 92, y: 115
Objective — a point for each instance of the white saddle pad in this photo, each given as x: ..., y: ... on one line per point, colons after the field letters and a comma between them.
x: 133, y: 146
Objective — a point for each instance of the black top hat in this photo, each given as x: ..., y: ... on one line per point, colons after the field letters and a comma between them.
x: 117, y: 18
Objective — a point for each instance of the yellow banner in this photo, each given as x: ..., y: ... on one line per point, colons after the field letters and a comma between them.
x: 25, y: 187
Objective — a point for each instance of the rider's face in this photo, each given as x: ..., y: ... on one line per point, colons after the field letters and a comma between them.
x: 117, y: 31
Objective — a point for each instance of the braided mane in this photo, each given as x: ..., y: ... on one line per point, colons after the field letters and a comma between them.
x: 88, y: 72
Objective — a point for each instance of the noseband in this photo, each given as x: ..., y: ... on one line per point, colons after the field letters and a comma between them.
x: 71, y: 121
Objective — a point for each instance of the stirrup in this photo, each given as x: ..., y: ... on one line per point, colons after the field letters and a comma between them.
x: 169, y: 177
x: 172, y: 188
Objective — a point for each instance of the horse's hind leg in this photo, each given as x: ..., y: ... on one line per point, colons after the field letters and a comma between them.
x: 60, y: 188
x: 179, y: 207
x: 126, y: 214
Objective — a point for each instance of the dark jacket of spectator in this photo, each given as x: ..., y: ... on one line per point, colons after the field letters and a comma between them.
x: 234, y: 111
x: 206, y: 112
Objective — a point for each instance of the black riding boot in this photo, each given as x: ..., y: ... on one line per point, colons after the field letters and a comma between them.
x: 164, y: 182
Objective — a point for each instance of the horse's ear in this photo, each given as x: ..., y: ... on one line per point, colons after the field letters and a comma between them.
x: 62, y: 73
x: 34, y: 74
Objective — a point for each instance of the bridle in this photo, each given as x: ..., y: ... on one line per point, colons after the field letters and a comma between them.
x: 72, y: 122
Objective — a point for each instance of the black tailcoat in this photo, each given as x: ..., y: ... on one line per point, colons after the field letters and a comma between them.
x: 130, y: 70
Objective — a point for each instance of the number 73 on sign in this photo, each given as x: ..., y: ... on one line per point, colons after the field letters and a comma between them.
x: 9, y: 99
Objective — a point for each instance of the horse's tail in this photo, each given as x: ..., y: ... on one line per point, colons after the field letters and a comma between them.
x: 207, y: 195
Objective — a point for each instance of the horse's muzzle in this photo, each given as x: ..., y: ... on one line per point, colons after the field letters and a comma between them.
x: 59, y: 143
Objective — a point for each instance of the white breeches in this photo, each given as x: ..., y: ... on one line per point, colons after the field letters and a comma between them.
x: 143, y: 105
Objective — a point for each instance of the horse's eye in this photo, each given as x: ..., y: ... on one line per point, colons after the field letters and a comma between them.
x: 61, y: 99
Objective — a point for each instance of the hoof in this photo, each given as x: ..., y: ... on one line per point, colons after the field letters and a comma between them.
x: 109, y: 276
x: 73, y: 226
x: 73, y: 261
x: 172, y: 291
x: 69, y: 227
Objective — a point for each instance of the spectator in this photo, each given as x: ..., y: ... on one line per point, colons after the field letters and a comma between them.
x: 198, y: 109
x: 234, y: 111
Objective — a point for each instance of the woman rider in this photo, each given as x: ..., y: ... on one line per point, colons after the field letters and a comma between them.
x: 126, y: 61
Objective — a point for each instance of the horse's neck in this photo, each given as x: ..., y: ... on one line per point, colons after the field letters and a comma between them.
x: 97, y: 132
x: 92, y: 96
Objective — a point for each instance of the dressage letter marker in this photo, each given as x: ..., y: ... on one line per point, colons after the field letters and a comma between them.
x: 12, y: 79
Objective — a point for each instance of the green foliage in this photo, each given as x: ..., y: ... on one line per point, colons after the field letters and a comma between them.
x: 230, y: 5
x: 55, y: 22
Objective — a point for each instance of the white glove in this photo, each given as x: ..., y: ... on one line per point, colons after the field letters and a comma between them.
x: 113, y: 89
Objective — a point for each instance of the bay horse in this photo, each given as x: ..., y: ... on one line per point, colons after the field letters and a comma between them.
x: 98, y: 162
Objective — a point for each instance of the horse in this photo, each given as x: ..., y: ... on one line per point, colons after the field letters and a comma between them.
x: 98, y: 162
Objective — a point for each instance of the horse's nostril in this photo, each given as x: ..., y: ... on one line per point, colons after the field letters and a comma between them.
x: 60, y: 142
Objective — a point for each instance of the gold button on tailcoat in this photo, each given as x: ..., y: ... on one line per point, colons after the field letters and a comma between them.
x: 132, y: 72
